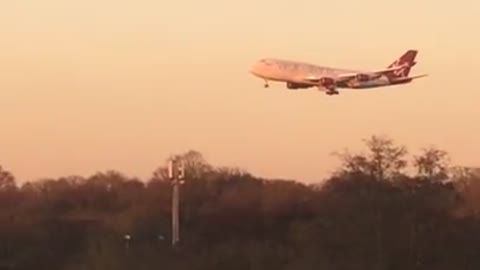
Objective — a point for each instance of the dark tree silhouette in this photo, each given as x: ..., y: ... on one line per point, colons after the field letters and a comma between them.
x: 7, y: 180
x: 432, y: 164
x: 368, y: 215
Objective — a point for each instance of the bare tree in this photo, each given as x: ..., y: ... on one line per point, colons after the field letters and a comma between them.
x: 7, y: 180
x: 384, y: 160
x: 432, y: 163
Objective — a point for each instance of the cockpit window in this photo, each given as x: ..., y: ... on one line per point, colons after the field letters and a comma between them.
x: 266, y: 61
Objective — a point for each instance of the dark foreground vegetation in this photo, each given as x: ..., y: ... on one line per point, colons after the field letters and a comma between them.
x: 370, y: 214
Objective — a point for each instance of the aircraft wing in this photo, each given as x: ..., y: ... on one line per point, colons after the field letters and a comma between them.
x: 313, y: 79
x: 372, y: 74
x: 348, y: 76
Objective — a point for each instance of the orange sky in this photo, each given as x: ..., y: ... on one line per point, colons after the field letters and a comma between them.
x: 99, y: 85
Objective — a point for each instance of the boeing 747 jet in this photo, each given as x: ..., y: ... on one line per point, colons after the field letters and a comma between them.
x: 298, y: 75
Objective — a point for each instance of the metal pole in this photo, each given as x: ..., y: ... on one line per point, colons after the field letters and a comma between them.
x: 175, y: 213
x: 176, y: 173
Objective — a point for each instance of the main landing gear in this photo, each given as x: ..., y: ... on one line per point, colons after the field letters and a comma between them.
x: 332, y: 92
x: 266, y: 84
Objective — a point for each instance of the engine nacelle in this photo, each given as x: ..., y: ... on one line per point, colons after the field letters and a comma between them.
x: 328, y: 83
x: 291, y: 85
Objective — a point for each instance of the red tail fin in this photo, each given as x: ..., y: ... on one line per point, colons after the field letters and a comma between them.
x: 407, y: 60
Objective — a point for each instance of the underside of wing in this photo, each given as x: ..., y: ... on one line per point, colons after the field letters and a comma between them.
x: 360, y: 76
x: 312, y: 79
x: 316, y: 79
x: 326, y: 82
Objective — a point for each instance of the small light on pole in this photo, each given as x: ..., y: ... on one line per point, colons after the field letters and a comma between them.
x: 170, y: 169
x: 127, y: 241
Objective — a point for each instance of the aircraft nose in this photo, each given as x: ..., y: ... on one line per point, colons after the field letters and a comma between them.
x: 254, y: 68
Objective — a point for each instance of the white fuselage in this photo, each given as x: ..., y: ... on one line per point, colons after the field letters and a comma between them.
x: 296, y: 72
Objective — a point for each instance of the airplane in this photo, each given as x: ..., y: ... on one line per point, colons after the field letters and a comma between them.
x: 299, y: 75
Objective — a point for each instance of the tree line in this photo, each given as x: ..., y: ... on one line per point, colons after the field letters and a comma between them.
x: 369, y: 214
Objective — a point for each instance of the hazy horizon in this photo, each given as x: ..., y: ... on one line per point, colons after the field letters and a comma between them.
x: 99, y: 85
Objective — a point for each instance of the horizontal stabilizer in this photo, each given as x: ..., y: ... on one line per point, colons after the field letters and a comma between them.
x: 402, y: 79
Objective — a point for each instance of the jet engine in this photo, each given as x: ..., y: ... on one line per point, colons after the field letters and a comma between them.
x: 328, y: 83
x: 291, y: 85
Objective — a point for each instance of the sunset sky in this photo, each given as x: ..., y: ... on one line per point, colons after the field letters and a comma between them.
x: 94, y: 85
